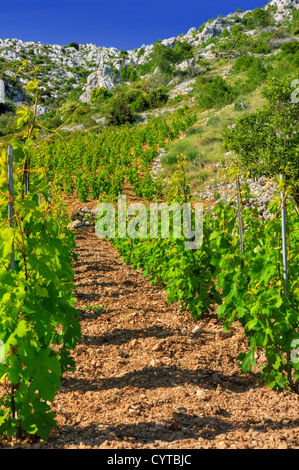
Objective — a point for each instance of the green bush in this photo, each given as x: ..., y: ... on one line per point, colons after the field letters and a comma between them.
x: 120, y: 111
x: 257, y: 72
x: 162, y: 57
x: 144, y: 69
x: 238, y: 42
x: 74, y: 45
x: 99, y: 95
x: 129, y: 74
x: 7, y: 122
x: 182, y: 51
x: 294, y: 25
x: 287, y: 62
x: 140, y: 52
x: 236, y: 29
x: 290, y: 47
x: 257, y: 18
x: 158, y: 96
x: 141, y: 103
x: 68, y: 108
x: 267, y: 140
x: 243, y: 63
x: 81, y: 110
x: 215, y: 93
x: 255, y: 75
x: 51, y: 120
x: 261, y: 48
x: 201, y: 28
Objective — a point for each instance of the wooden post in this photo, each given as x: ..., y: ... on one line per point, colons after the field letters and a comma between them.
x: 240, y: 221
x: 284, y: 239
x: 26, y: 178
x: 285, y: 263
x: 10, y: 205
x: 189, y: 217
x: 50, y: 198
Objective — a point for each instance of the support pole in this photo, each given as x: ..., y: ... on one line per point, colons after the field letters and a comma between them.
x: 26, y: 178
x: 240, y: 222
x: 10, y: 205
x: 284, y: 240
x: 50, y: 198
x: 189, y: 216
x: 285, y: 262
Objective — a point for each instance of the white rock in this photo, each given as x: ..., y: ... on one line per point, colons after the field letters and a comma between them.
x: 75, y: 224
x: 2, y: 91
x: 41, y: 110
x: 103, y: 77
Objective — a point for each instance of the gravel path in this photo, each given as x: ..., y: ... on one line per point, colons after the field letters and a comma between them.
x: 148, y: 379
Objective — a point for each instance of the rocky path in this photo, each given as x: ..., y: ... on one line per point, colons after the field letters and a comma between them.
x: 150, y: 377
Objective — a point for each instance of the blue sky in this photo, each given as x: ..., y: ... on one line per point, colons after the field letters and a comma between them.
x: 124, y: 24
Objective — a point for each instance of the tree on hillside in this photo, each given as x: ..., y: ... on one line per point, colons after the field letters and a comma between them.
x: 121, y: 111
x: 165, y: 57
x: 267, y: 140
x: 162, y: 57
x: 74, y: 45
x: 214, y: 93
x: 99, y: 95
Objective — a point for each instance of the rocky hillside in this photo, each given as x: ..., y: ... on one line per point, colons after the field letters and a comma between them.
x: 81, y: 68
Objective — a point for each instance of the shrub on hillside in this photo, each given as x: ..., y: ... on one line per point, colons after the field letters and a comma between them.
x: 182, y: 51
x: 294, y: 24
x: 162, y: 57
x: 257, y: 18
x: 68, y: 108
x: 146, y: 68
x: 291, y: 47
x: 74, y: 45
x: 288, y: 59
x: 129, y: 74
x: 256, y: 74
x: 243, y: 63
x: 158, y: 96
x: 141, y: 103
x: 267, y: 140
x: 120, y: 111
x: 141, y: 98
x: 215, y: 93
x: 99, y: 95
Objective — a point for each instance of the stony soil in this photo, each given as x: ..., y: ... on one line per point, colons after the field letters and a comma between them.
x: 146, y: 379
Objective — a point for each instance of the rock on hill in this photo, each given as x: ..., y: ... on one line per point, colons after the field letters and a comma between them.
x: 88, y: 66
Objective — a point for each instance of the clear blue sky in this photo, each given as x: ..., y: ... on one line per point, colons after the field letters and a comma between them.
x: 125, y: 24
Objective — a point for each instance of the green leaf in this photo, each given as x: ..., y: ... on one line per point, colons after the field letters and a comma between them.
x: 248, y: 361
x: 46, y: 370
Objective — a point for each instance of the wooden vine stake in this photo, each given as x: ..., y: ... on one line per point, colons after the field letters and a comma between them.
x: 26, y: 178
x: 186, y: 202
x: 284, y: 239
x: 50, y: 198
x: 10, y: 204
x: 285, y: 261
x: 240, y: 222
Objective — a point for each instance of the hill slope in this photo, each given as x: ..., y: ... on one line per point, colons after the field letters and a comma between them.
x: 216, y: 70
